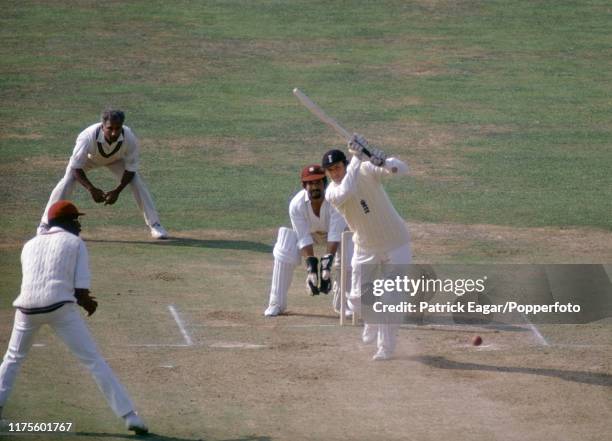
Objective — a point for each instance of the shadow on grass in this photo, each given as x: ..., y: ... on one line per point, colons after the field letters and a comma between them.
x: 242, y: 245
x: 593, y: 378
x: 155, y: 437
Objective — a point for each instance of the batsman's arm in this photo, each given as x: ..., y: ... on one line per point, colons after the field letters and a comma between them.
x: 337, y: 194
x: 395, y: 166
x: 391, y: 167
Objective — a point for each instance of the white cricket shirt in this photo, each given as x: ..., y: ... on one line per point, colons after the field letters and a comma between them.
x: 53, y: 265
x: 91, y: 146
x: 366, y: 207
x: 306, y: 223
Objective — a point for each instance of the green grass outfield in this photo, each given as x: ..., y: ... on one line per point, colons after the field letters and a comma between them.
x: 504, y: 105
x: 503, y: 110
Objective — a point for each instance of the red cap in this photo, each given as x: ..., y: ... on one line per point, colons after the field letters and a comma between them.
x: 63, y: 209
x: 312, y: 172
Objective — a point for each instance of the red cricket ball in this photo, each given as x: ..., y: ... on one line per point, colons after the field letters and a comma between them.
x: 477, y: 340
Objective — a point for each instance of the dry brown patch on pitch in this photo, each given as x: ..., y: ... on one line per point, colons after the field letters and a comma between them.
x: 166, y: 276
x: 232, y: 316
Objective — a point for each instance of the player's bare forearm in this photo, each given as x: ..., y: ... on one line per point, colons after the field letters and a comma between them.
x: 112, y: 196
x: 307, y: 251
x: 96, y: 194
x: 82, y: 179
x: 125, y: 180
x: 332, y: 247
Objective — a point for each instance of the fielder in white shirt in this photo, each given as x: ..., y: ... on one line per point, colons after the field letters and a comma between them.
x: 313, y: 221
x: 112, y: 145
x: 380, y: 235
x: 56, y: 278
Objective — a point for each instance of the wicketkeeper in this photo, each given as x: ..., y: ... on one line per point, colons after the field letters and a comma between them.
x: 380, y: 234
x: 313, y: 220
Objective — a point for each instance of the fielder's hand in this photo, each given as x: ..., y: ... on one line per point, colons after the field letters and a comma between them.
x: 86, y: 301
x: 111, y: 197
x: 356, y: 146
x: 312, y: 277
x: 97, y: 195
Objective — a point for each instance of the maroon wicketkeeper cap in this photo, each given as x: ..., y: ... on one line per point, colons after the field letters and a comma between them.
x: 312, y: 172
x: 63, y: 209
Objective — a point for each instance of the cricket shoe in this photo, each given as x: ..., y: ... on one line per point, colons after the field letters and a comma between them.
x: 382, y: 355
x: 134, y: 423
x: 158, y: 232
x: 272, y: 311
x: 369, y: 334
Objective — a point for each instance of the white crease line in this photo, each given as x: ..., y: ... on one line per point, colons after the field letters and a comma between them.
x: 539, y: 337
x: 312, y: 325
x: 236, y: 345
x: 181, y: 325
x: 161, y: 345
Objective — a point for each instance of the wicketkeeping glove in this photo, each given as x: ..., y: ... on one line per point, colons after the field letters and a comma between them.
x: 312, y: 277
x: 86, y: 301
x: 326, y: 265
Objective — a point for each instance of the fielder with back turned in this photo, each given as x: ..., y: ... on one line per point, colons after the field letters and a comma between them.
x: 380, y: 235
x: 56, y: 279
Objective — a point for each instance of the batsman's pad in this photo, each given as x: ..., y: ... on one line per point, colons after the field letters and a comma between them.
x: 286, y: 248
x: 326, y: 266
x: 312, y: 277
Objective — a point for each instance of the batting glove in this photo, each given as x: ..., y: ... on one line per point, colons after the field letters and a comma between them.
x: 356, y: 146
x: 312, y: 277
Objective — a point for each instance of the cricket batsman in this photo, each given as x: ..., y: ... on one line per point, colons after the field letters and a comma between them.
x: 380, y: 235
x: 313, y: 220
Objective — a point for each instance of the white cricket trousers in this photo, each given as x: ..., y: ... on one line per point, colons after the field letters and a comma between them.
x: 65, y: 187
x: 386, y: 332
x: 68, y: 325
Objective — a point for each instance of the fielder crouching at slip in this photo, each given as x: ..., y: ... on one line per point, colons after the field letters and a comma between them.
x: 313, y: 220
x: 56, y: 275
x: 113, y: 145
x: 380, y: 235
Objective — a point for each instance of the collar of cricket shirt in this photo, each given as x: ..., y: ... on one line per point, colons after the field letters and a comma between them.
x: 101, y: 141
